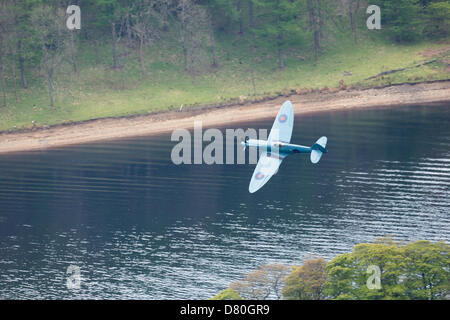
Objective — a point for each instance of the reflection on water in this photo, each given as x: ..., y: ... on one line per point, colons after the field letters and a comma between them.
x: 140, y: 227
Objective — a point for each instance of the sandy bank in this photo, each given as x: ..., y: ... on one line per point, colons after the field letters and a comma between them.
x: 115, y: 128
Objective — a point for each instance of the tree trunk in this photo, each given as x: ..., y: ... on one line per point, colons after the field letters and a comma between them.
x: 185, y: 57
x: 183, y: 45
x: 2, y: 79
x: 353, y: 16
x: 279, y: 42
x: 141, y: 54
x: 241, y: 23
x: 182, y: 33
x: 50, y: 89
x: 127, y: 21
x: 50, y: 84
x: 114, y: 46
x: 321, y: 18
x: 13, y: 58
x: 252, y: 77
x: 21, y: 65
x: 97, y: 58
x: 164, y: 13
x: 316, y: 45
x: 213, y: 44
x: 350, y: 15
x: 72, y: 52
x: 250, y: 14
x: 280, y: 58
x: 314, y: 26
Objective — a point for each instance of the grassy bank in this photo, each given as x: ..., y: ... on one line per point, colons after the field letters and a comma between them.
x: 99, y: 91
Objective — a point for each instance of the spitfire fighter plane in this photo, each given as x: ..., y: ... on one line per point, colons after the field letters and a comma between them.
x: 278, y: 146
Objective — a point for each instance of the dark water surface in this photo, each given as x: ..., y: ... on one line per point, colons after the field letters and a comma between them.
x: 139, y: 226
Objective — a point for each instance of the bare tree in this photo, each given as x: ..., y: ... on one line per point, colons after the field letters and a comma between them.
x: 276, y: 273
x: 164, y: 11
x: 2, y: 75
x: 20, y: 54
x: 52, y: 40
x: 6, y: 36
x: 12, y: 38
x: 12, y: 54
x: 317, y: 12
x: 118, y: 21
x: 127, y: 15
x: 115, y: 41
x: 73, y: 51
x: 262, y: 283
x: 213, y: 41
x: 353, y: 10
x: 241, y: 21
x: 194, y: 26
x: 146, y: 29
x: 251, y: 21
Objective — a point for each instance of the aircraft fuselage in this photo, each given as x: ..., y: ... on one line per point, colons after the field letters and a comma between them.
x: 278, y: 147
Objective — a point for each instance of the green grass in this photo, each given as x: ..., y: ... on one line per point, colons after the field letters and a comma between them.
x: 98, y: 91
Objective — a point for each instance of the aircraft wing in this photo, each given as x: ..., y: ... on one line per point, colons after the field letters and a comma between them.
x: 283, y: 124
x: 267, y: 166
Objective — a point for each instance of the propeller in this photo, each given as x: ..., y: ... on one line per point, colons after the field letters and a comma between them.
x: 244, y: 142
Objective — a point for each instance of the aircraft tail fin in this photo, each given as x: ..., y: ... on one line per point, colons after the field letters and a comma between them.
x: 318, y: 149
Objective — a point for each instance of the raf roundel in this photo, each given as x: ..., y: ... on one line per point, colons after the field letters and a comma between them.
x: 282, y: 118
x: 259, y: 176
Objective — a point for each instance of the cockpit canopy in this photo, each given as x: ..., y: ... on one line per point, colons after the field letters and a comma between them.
x: 279, y: 144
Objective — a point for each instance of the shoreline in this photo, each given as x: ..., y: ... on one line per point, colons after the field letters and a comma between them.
x: 163, y: 122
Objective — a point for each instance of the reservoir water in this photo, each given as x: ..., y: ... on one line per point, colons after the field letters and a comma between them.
x: 139, y: 227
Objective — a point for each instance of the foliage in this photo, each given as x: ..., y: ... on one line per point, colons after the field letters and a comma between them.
x: 410, y: 20
x: 437, y: 19
x: 306, y: 282
x: 278, y: 24
x: 418, y: 270
x: 426, y: 270
x: 227, y: 294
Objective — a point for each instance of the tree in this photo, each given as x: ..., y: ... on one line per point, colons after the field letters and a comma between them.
x: 317, y: 12
x: 417, y: 270
x: 240, y: 15
x: 72, y: 34
x: 113, y: 13
x: 227, y: 294
x: 145, y: 28
x: 193, y: 31
x: 6, y: 25
x: 402, y: 19
x: 340, y: 277
x: 278, y: 27
x: 426, y: 270
x: 276, y: 273
x: 24, y: 40
x: 437, y: 17
x: 215, y: 9
x: 50, y: 24
x: 353, y: 11
x: 347, y: 274
x: 10, y: 26
x: 306, y: 282
x: 262, y: 283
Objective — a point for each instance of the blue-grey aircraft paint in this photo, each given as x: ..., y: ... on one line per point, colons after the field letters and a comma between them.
x: 278, y: 146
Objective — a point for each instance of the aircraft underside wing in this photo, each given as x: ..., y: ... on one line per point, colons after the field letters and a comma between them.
x: 283, y: 124
x: 267, y: 166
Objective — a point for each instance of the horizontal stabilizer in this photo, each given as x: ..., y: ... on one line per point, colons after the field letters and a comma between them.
x: 318, y: 149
